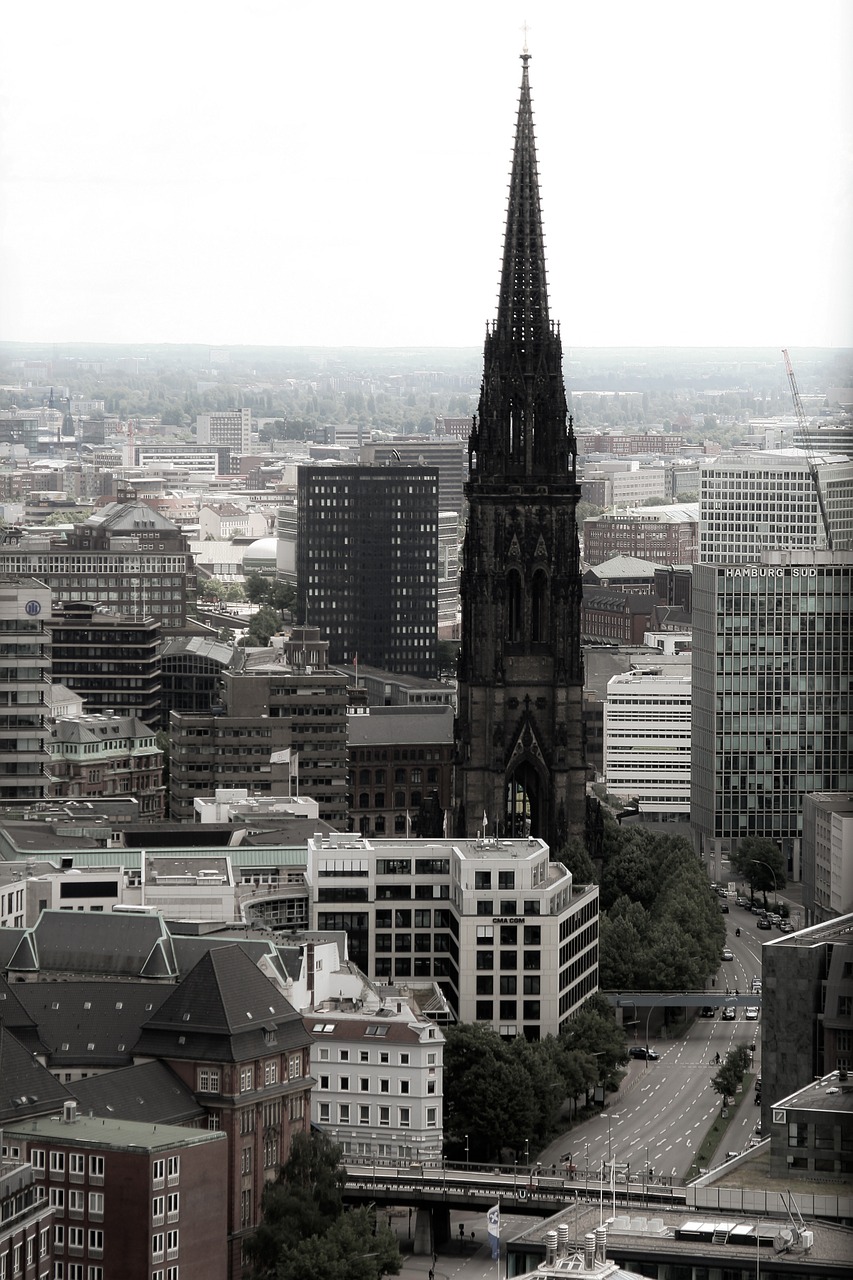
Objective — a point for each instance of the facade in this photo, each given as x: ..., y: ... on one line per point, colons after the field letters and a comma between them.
x: 191, y: 673
x: 26, y: 1221
x: 771, y: 501
x: 112, y: 660
x: 228, y: 427
x: 613, y: 617
x: 807, y: 1010
x: 400, y: 759
x: 664, y: 535
x: 772, y: 653
x: 107, y: 755
x: 128, y: 558
x: 827, y: 856
x: 24, y: 688
x: 812, y: 1130
x: 130, y: 1199
x: 502, y: 930
x: 367, y: 563
x: 647, y: 737
x: 378, y: 1091
x: 520, y: 758
x: 446, y: 456
x: 228, y: 1033
x: 274, y: 700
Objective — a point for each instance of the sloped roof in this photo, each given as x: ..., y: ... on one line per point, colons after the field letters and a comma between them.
x: 90, y: 1023
x: 26, y: 1087
x: 17, y: 1018
x: 123, y: 517
x: 626, y: 567
x: 112, y: 943
x: 189, y: 948
x: 148, y: 1092
x: 433, y: 724
x: 225, y: 1009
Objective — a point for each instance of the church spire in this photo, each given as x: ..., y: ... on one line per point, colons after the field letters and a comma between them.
x: 523, y: 298
x: 522, y: 430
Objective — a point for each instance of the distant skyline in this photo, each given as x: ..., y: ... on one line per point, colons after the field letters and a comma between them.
x: 278, y: 173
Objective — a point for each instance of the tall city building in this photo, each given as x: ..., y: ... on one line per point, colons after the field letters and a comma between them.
x: 772, y: 657
x: 771, y: 500
x: 111, y: 660
x: 227, y: 427
x: 647, y: 722
x: 520, y: 766
x: 367, y: 563
x: 24, y: 688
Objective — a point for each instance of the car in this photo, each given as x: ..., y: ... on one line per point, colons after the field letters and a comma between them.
x: 757, y: 911
x: 726, y: 954
x: 751, y: 1012
x: 742, y: 902
x: 763, y: 923
x: 756, y: 986
x: 708, y: 1011
x: 724, y: 907
x: 730, y: 1012
x: 640, y: 1051
x: 786, y: 927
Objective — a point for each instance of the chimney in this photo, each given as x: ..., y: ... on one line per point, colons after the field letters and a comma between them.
x: 601, y: 1244
x: 589, y: 1251
x: 550, y: 1247
x: 69, y: 1111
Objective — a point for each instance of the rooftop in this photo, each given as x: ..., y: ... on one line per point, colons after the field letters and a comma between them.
x: 121, y: 1135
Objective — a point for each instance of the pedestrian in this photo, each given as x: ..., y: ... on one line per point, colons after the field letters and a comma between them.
x: 431, y: 1274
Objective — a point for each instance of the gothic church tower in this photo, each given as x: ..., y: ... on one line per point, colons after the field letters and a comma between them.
x: 520, y: 759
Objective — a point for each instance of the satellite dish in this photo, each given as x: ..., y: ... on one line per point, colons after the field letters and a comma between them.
x: 783, y: 1240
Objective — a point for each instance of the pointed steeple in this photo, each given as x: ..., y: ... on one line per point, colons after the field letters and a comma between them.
x: 523, y: 298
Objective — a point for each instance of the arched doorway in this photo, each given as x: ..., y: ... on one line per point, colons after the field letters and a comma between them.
x: 524, y: 801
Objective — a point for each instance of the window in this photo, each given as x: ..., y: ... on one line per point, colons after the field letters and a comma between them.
x: 96, y: 1166
x: 271, y: 1071
x: 432, y: 1117
x: 173, y: 1168
x: 384, y: 1117
x: 364, y: 1115
x: 57, y: 1162
x: 96, y: 1273
x: 482, y: 879
x: 506, y: 879
x: 76, y: 1237
x: 76, y: 1201
x: 172, y: 1238
x: 404, y: 1120
x: 247, y: 1079
x: 96, y: 1240
x: 57, y: 1198
x: 157, y: 1245
x: 208, y: 1080
x: 294, y: 1066
x: 158, y: 1172
x: 364, y: 1084
x: 37, y: 1159
x: 76, y: 1164
x: 158, y: 1209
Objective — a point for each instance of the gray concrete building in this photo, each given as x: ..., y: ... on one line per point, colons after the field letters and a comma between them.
x: 24, y: 688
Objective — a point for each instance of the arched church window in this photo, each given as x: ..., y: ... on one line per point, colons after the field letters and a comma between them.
x: 539, y: 608
x: 514, y: 607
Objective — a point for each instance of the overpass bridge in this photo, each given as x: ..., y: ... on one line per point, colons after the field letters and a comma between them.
x: 433, y: 1191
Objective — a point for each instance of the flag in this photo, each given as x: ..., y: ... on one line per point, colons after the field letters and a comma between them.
x: 485, y: 822
x: 444, y: 825
x: 494, y: 1230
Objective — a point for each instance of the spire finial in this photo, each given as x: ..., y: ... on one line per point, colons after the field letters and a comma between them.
x: 525, y: 53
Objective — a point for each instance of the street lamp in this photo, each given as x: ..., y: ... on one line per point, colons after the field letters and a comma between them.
x: 609, y: 1144
x: 757, y: 862
x: 527, y: 1151
x: 466, y: 1149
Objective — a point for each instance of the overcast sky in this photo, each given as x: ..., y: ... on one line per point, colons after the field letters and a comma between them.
x: 334, y: 173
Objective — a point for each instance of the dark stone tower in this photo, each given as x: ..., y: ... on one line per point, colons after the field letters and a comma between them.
x: 520, y: 759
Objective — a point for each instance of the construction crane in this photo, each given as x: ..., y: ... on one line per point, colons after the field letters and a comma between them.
x: 807, y: 445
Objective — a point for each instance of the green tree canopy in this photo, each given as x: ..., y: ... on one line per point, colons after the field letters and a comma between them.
x: 306, y: 1234
x: 761, y: 863
x: 729, y: 1078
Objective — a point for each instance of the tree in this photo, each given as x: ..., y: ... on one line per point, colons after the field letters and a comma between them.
x: 446, y: 653
x: 270, y: 592
x: 761, y: 863
x: 594, y: 1033
x: 263, y: 625
x: 487, y: 1095
x: 306, y: 1234
x: 575, y: 857
x: 729, y: 1078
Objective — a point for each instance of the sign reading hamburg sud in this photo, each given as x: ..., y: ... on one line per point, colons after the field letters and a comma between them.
x: 33, y: 608
x: 753, y: 571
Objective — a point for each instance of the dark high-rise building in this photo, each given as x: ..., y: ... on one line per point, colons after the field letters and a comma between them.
x: 519, y: 736
x: 367, y: 563
x: 112, y: 660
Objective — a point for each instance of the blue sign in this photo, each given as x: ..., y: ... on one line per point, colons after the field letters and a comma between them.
x: 32, y: 607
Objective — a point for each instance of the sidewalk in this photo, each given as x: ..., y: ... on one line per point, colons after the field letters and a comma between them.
x: 555, y: 1150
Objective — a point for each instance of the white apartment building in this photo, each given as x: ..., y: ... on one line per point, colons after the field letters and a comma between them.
x: 504, y: 932
x: 185, y: 459
x: 232, y: 428
x: 647, y: 727
x: 768, y: 501
x: 25, y: 643
x: 827, y: 856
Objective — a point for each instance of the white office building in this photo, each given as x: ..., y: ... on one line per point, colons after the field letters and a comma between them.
x: 25, y: 644
x: 768, y: 501
x: 647, y: 728
x: 507, y: 936
x: 229, y: 427
x: 827, y: 856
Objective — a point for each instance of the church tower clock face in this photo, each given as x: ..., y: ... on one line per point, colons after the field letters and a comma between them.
x: 520, y: 763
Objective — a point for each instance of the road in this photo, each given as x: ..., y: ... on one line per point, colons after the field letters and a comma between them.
x: 665, y: 1108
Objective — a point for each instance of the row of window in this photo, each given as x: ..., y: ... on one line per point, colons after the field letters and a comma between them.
x: 363, y: 1115
x: 76, y: 1161
x: 25, y: 1249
